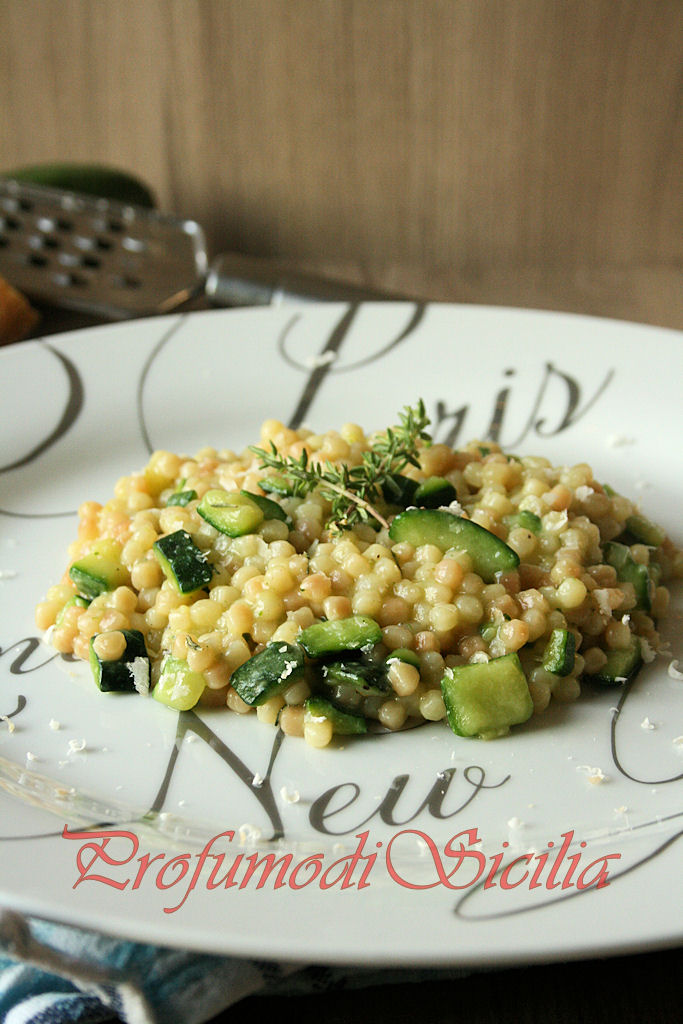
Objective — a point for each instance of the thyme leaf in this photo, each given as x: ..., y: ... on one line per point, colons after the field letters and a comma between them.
x: 354, y: 491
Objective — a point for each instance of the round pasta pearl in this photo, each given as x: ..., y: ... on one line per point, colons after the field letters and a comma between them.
x: 367, y: 603
x: 236, y: 704
x: 392, y: 714
x: 403, y: 677
x: 109, y: 646
x: 337, y: 608
x: 449, y: 572
x: 268, y: 711
x: 432, y: 706
x: 571, y: 593
x: 444, y: 617
x: 318, y: 732
x: 291, y: 721
x: 240, y: 617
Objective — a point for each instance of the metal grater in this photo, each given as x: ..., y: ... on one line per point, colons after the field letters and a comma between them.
x: 114, y: 260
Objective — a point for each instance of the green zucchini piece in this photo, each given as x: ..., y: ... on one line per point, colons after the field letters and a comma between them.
x: 118, y: 675
x: 526, y: 520
x: 230, y: 512
x: 271, y: 509
x: 486, y: 698
x: 335, y: 636
x: 560, y: 651
x: 403, y: 654
x: 268, y: 673
x: 87, y: 179
x: 344, y: 723
x: 399, y: 490
x: 489, y: 554
x: 621, y: 666
x: 630, y: 571
x: 178, y: 686
x: 100, y: 571
x: 368, y: 679
x: 645, y: 531
x: 183, y: 563
x: 434, y: 492
x: 181, y: 498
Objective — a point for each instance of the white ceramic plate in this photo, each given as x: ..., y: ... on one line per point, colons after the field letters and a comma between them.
x: 150, y: 788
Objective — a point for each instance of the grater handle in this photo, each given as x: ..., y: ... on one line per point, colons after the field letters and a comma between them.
x: 236, y: 280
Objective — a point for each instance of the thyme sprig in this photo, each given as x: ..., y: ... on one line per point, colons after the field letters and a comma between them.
x: 355, y: 491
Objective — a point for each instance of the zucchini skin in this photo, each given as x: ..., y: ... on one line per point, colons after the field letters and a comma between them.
x: 271, y: 509
x: 233, y: 513
x: 560, y: 652
x: 645, y: 531
x: 399, y: 490
x: 344, y: 723
x: 434, y: 492
x: 268, y: 673
x: 338, y: 635
x: 490, y: 555
x: 525, y: 519
x: 99, y: 571
x: 182, y: 562
x: 368, y: 679
x: 629, y: 571
x: 88, y: 179
x: 403, y: 654
x: 621, y: 666
x: 115, y: 676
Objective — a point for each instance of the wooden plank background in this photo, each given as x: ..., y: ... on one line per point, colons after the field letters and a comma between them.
x: 486, y: 149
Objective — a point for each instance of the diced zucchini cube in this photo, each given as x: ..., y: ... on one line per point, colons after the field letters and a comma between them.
x: 629, y: 571
x: 268, y: 673
x: 233, y: 513
x: 183, y: 563
x: 485, y: 698
x: 120, y: 674
x: 560, y: 651
x: 178, y: 686
x: 434, y: 492
x: 99, y: 571
x: 337, y: 635
x: 363, y: 676
x: 645, y: 531
x: 400, y: 490
x: 621, y: 665
x: 271, y: 509
x: 344, y: 723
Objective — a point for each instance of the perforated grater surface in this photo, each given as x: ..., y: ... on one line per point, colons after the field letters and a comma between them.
x: 115, y: 260
x: 96, y: 255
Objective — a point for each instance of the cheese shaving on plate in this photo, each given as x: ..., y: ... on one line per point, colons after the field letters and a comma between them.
x: 139, y: 669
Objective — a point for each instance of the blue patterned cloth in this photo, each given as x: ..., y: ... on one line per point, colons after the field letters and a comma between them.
x: 53, y: 974
x: 56, y: 974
